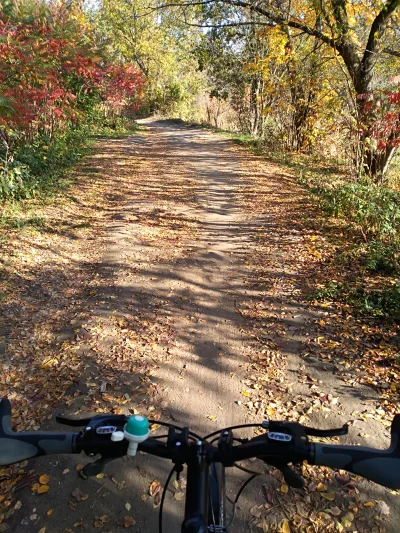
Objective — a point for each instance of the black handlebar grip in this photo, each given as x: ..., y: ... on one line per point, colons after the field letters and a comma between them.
x: 16, y: 447
x: 381, y: 466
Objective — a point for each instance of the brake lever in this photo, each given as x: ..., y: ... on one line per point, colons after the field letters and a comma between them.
x: 95, y: 468
x: 291, y: 477
x: 73, y: 422
x: 94, y: 421
x: 312, y: 432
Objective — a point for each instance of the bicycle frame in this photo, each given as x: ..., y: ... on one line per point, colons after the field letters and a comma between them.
x: 198, y: 495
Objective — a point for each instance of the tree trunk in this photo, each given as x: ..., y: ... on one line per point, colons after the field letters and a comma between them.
x: 375, y: 160
x: 254, y: 107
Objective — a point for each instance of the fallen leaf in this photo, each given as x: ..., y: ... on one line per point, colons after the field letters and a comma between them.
x: 212, y: 417
x: 42, y: 489
x: 383, y: 508
x: 49, y: 512
x: 343, y: 480
x: 284, y: 488
x: 154, y: 487
x: 175, y: 483
x: 246, y: 393
x: 128, y: 506
x: 44, y: 479
x: 99, y: 521
x: 330, y: 496
x: 129, y: 521
x: 154, y: 427
x: 347, y: 519
x: 255, y: 511
x: 43, y: 530
x: 285, y: 527
x: 322, y: 487
x: 157, y: 500
x: 369, y: 504
x: 18, y: 505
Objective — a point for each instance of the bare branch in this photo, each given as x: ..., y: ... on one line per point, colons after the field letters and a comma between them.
x: 231, y: 24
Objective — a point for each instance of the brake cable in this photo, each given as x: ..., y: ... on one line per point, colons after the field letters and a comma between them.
x: 164, y: 493
x: 168, y: 425
x: 249, y: 480
x: 212, y: 510
x: 247, y: 470
x: 232, y: 427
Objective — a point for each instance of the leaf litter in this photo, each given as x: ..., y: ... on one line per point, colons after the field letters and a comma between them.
x: 52, y: 287
x: 285, y: 262
x: 274, y: 262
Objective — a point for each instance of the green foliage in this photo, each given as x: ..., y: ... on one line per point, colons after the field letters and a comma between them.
x: 161, y: 46
x: 374, y: 257
x: 382, y: 258
x: 374, y: 210
x: 377, y: 303
x: 37, y: 167
x: 114, y: 126
x: 16, y: 181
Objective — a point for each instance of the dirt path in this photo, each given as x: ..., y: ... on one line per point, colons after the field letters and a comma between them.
x: 193, y: 314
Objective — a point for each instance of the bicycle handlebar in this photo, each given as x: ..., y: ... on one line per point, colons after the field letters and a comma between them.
x: 381, y: 466
x: 16, y: 447
x: 285, y: 442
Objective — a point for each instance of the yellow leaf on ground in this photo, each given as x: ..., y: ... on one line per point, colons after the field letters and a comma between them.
x: 330, y: 496
x: 42, y: 489
x: 347, y: 519
x: 285, y: 527
x: 246, y: 393
x: 212, y: 417
x: 44, y: 479
x: 49, y: 512
x: 43, y: 530
x: 154, y: 427
x: 284, y: 488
